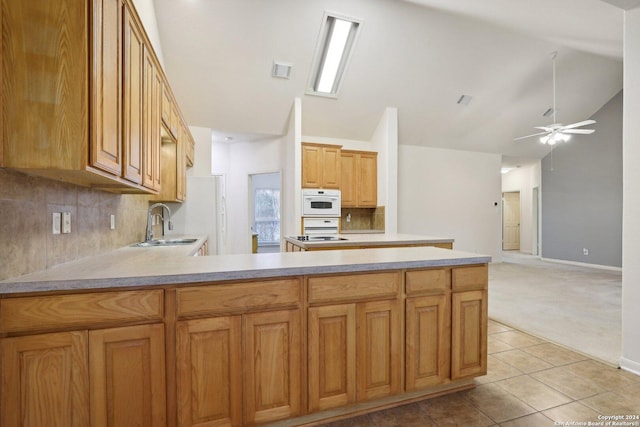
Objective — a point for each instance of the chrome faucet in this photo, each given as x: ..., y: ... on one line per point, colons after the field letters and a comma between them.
x: 149, y: 234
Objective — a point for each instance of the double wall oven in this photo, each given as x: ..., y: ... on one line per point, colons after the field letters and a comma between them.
x: 320, y: 212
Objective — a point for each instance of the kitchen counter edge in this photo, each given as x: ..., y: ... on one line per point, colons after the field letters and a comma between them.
x: 124, y: 268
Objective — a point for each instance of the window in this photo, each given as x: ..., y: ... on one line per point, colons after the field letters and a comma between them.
x: 333, y: 51
x: 267, y: 215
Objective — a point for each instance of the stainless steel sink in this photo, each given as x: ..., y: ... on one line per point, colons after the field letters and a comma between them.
x: 164, y: 242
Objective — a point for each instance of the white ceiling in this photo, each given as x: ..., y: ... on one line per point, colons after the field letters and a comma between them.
x: 418, y: 56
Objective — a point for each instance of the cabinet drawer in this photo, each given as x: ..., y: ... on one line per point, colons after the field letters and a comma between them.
x: 353, y: 286
x: 79, y: 310
x: 198, y: 300
x: 470, y: 278
x: 428, y: 281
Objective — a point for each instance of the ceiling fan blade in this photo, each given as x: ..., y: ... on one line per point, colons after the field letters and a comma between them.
x: 529, y: 136
x: 575, y: 125
x: 579, y: 131
x: 544, y: 128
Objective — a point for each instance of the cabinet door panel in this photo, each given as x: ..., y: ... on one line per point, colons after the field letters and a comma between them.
x: 428, y: 329
x: 271, y: 366
x: 469, y: 334
x: 332, y: 356
x: 379, y: 349
x: 209, y: 372
x: 132, y: 98
x: 331, y: 167
x: 151, y: 129
x: 127, y: 372
x: 311, y: 166
x: 106, y: 140
x: 348, y: 187
x: 367, y: 180
x: 45, y: 380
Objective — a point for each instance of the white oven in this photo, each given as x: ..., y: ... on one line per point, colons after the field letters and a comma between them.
x: 320, y: 203
x: 313, y: 227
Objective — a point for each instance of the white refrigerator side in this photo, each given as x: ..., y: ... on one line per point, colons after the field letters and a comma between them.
x: 199, y: 214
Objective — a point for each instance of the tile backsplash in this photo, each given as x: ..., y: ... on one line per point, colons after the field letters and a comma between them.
x: 363, y: 219
x: 26, y: 207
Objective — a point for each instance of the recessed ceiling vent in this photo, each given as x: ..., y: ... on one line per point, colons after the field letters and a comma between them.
x: 281, y: 70
x: 464, y: 99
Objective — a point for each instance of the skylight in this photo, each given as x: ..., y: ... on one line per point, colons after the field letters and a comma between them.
x: 335, y: 44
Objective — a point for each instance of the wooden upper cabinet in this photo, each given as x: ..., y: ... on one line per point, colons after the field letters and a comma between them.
x: 133, y: 63
x: 359, y: 180
x: 151, y: 122
x: 105, y: 148
x: 75, y: 102
x: 320, y: 166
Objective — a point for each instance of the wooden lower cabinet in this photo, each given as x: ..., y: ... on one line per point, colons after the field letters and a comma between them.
x: 469, y: 320
x: 109, y: 377
x: 272, y: 366
x: 428, y: 341
x: 218, y: 384
x: 354, y: 353
x: 209, y: 371
x: 332, y: 356
x: 45, y: 380
x: 379, y: 349
x: 127, y: 376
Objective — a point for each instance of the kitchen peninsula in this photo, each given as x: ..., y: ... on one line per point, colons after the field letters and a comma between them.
x: 363, y: 241
x: 152, y: 334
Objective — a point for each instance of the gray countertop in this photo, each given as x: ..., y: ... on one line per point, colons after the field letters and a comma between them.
x: 371, y: 239
x: 132, y: 266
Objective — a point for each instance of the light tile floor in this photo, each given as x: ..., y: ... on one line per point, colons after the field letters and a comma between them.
x: 530, y: 382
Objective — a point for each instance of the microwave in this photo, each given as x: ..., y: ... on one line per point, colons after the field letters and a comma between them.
x: 320, y: 203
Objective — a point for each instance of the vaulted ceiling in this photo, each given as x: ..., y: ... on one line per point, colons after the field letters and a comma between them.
x: 419, y: 56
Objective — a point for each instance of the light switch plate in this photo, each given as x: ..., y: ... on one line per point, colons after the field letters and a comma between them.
x: 66, y: 222
x: 112, y: 223
x: 55, y: 223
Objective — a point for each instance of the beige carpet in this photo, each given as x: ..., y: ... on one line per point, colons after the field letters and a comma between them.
x: 573, y: 306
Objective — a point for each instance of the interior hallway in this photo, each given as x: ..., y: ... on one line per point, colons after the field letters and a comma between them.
x: 574, y: 306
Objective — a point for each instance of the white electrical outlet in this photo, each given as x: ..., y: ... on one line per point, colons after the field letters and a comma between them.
x: 112, y: 224
x: 66, y: 222
x: 585, y: 251
x: 55, y: 223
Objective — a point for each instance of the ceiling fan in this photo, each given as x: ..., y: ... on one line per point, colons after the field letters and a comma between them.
x: 557, y: 132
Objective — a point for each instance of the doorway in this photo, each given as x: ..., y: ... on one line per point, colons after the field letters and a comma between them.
x: 265, y: 203
x: 511, y: 221
x: 535, y: 222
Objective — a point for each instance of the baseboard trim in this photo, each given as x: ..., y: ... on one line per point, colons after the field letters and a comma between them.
x: 630, y: 365
x: 582, y: 264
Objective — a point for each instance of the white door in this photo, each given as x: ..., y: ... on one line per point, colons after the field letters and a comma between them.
x: 511, y: 221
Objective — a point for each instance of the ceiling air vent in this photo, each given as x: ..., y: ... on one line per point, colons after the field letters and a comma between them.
x: 281, y: 70
x: 464, y: 99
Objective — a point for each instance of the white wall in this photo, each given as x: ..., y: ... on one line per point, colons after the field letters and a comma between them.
x: 385, y: 142
x: 147, y: 13
x: 449, y: 193
x: 630, y: 359
x: 524, y: 180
